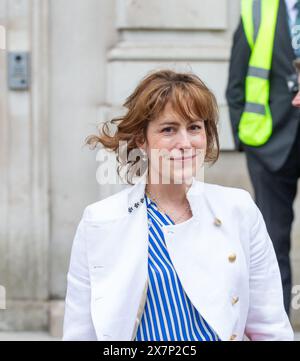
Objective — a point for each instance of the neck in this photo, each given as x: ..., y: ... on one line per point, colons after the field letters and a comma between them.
x: 175, y: 193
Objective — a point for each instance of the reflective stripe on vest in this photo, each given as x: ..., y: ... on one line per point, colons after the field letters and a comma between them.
x: 259, y: 21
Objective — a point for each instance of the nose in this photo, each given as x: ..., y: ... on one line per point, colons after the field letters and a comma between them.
x: 183, y: 140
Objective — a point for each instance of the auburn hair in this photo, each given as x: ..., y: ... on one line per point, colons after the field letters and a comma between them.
x: 190, y: 99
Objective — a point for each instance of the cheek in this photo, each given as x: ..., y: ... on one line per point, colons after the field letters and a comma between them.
x: 200, y: 141
x: 158, y: 141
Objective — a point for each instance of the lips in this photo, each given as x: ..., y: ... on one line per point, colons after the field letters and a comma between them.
x: 184, y: 158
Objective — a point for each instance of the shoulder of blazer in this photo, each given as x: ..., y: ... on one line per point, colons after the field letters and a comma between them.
x: 231, y: 202
x: 230, y: 196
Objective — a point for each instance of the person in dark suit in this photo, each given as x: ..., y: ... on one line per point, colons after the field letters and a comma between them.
x: 274, y: 167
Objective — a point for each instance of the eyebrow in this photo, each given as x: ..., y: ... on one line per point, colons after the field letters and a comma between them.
x: 169, y: 123
x: 176, y: 123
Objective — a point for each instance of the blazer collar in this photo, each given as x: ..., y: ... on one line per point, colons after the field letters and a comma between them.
x: 195, y: 196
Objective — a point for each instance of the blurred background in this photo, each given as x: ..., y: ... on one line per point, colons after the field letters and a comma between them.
x: 81, y: 59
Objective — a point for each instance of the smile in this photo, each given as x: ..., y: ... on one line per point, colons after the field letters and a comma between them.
x: 184, y: 159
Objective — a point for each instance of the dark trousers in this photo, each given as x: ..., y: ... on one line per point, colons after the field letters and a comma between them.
x: 274, y: 195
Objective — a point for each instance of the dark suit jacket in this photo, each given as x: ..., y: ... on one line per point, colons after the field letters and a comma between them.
x: 286, y: 118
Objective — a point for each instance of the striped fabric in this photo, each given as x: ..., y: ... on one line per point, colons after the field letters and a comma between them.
x: 168, y: 315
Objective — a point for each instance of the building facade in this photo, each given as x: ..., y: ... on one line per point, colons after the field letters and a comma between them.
x: 85, y: 57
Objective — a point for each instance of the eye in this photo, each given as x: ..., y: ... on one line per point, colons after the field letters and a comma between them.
x: 167, y: 130
x: 196, y: 127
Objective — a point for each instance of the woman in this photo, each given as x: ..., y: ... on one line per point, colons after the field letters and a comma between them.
x: 170, y: 257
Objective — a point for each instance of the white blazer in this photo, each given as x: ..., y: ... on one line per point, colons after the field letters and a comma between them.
x: 223, y: 256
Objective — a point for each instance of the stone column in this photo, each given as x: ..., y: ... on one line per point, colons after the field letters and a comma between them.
x: 24, y: 206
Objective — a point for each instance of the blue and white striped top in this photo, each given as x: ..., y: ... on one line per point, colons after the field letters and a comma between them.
x: 169, y: 314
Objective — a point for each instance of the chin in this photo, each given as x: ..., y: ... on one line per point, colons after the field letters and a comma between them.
x: 182, y: 176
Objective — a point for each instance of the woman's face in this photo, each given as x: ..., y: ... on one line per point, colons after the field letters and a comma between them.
x: 176, y: 149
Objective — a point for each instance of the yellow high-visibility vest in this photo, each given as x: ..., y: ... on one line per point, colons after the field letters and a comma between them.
x: 259, y: 19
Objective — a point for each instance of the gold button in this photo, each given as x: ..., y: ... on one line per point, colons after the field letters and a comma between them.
x: 233, y: 337
x: 235, y: 300
x: 217, y: 222
x: 232, y: 257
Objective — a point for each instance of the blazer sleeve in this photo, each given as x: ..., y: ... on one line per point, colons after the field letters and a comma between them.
x: 267, y: 319
x: 78, y: 325
x: 238, y: 69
